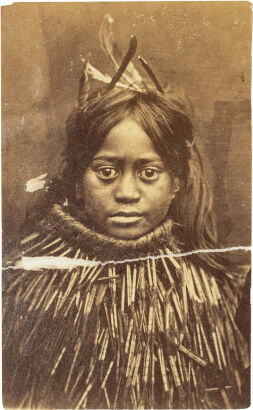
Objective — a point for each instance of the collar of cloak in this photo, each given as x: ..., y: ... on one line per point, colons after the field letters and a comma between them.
x: 93, y: 243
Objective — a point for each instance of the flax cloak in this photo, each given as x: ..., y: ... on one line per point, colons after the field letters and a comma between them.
x: 149, y: 331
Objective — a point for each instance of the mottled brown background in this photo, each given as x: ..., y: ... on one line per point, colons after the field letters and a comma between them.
x: 204, y: 45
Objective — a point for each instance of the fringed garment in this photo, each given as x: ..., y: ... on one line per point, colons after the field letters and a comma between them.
x: 149, y: 331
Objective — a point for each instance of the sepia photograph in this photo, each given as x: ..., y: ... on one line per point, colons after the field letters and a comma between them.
x: 126, y: 205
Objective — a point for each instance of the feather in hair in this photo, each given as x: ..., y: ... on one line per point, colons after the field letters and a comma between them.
x: 104, y: 78
x: 130, y: 76
x: 84, y: 87
x: 84, y: 84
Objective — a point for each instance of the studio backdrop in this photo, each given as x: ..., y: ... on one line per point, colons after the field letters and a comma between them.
x: 203, y: 47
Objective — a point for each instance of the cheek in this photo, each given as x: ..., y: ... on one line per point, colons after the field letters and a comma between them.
x: 90, y: 191
x: 160, y: 199
x: 96, y: 196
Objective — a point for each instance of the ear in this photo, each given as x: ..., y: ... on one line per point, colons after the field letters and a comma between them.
x: 175, y: 187
x: 78, y: 189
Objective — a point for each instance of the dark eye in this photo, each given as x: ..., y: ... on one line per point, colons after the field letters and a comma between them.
x: 107, y: 173
x: 149, y: 174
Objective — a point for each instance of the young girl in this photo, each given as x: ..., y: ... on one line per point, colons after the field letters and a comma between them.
x: 111, y: 305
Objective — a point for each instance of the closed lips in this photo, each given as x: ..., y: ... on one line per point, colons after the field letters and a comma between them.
x: 126, y: 217
x: 127, y: 214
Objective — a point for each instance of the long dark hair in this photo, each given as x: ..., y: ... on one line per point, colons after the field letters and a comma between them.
x: 166, y: 119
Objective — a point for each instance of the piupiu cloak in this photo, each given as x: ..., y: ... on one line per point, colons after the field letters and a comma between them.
x: 94, y: 322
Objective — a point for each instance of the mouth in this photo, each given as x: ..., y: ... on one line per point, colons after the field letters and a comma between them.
x: 125, y: 218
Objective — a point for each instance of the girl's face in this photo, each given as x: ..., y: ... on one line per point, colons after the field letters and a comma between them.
x: 127, y: 189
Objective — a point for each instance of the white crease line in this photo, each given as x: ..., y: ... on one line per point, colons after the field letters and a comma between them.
x: 178, y: 255
x: 52, y: 262
x: 58, y: 262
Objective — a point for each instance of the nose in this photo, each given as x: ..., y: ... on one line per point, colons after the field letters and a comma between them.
x: 127, y: 190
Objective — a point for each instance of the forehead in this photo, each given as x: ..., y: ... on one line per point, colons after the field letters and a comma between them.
x: 128, y: 138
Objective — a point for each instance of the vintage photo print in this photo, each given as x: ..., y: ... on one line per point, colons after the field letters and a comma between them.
x: 126, y: 163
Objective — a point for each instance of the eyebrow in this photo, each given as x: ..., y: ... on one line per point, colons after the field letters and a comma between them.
x: 117, y: 160
x: 107, y: 158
